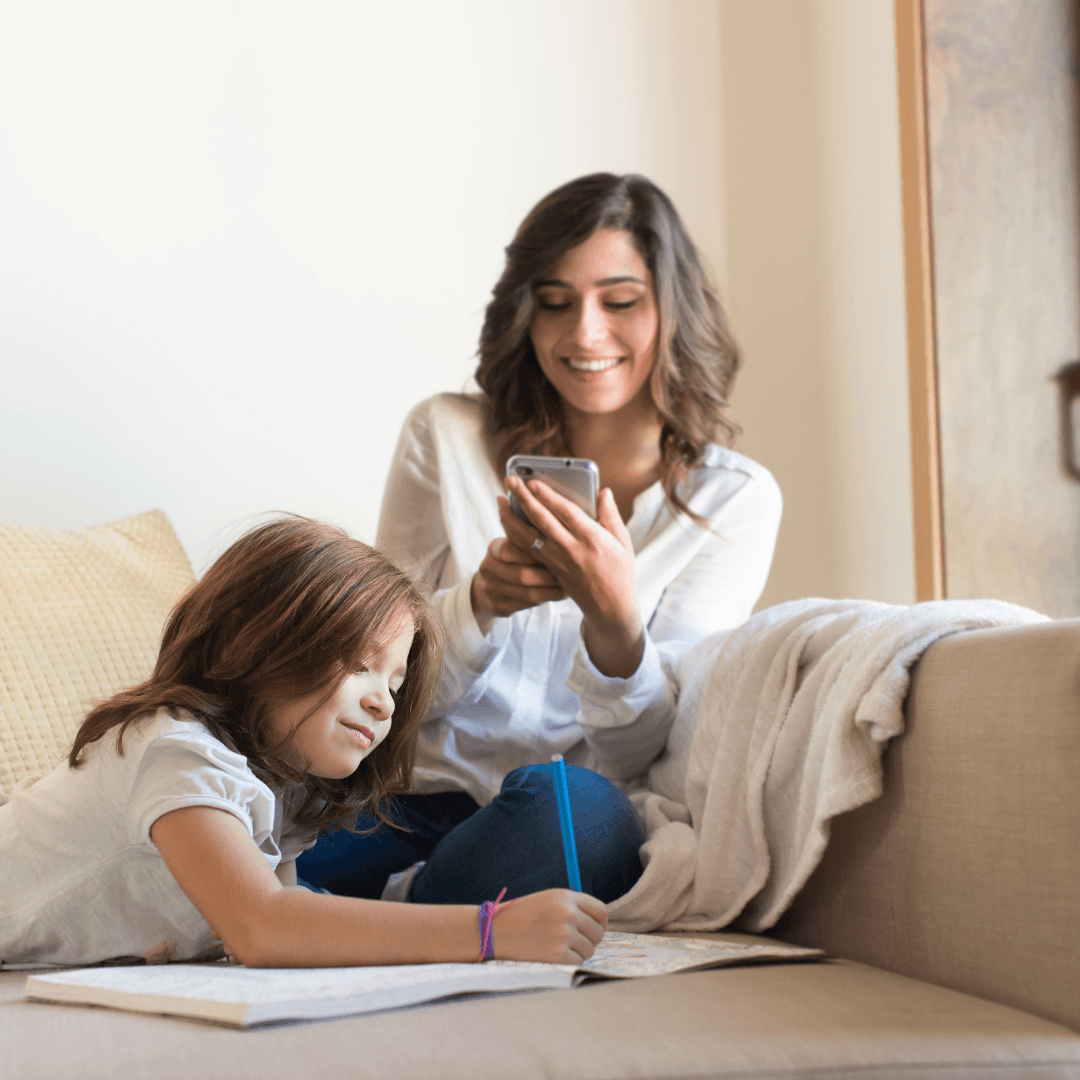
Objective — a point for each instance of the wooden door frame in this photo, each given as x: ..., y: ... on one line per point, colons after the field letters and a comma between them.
x: 919, y: 282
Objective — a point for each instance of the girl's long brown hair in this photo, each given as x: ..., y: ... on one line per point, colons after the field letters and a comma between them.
x: 289, y: 610
x: 697, y: 355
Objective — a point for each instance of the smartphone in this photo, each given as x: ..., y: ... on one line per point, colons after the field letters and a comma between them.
x: 578, y: 479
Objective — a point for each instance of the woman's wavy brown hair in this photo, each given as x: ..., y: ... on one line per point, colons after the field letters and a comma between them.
x: 697, y: 355
x: 288, y: 610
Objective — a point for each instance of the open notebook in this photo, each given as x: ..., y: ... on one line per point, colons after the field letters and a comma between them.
x: 242, y: 997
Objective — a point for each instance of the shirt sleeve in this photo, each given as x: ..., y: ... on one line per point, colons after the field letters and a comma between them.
x: 194, y: 769
x: 720, y: 586
x: 626, y: 721
x: 295, y: 839
x: 412, y: 528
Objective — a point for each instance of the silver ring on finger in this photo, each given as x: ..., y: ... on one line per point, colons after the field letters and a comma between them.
x: 537, y: 544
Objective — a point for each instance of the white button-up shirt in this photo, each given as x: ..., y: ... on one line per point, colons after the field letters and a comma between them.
x: 527, y: 689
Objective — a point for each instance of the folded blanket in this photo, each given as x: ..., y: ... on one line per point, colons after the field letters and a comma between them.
x: 780, y: 727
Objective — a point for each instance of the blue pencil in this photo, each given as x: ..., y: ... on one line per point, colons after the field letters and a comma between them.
x: 566, y: 822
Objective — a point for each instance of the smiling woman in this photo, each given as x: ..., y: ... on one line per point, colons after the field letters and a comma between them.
x: 595, y: 327
x: 604, y: 340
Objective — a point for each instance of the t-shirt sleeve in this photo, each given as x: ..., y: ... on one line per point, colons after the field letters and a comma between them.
x: 192, y: 768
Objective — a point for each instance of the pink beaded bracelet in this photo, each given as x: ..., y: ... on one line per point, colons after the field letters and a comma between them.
x: 488, y: 910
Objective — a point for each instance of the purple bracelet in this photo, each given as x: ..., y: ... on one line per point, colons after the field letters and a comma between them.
x: 488, y: 910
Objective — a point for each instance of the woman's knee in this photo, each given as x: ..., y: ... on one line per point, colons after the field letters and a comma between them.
x: 607, y: 831
x: 589, y: 791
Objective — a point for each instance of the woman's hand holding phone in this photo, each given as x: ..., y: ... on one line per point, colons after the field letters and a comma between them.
x: 510, y: 579
x: 591, y: 561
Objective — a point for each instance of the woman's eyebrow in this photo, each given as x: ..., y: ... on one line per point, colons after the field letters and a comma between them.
x: 555, y: 283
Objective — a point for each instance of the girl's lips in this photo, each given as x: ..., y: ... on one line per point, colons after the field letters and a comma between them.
x: 365, y: 735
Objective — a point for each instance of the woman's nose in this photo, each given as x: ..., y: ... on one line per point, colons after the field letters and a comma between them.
x: 590, y: 327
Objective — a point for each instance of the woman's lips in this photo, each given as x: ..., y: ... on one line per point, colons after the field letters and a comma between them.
x: 578, y: 363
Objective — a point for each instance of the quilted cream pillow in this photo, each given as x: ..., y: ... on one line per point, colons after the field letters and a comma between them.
x: 81, y: 615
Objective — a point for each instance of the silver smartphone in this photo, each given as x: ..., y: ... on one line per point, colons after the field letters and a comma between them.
x: 578, y: 479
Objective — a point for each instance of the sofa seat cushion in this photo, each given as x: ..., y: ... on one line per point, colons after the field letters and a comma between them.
x: 785, y: 1020
x: 81, y: 614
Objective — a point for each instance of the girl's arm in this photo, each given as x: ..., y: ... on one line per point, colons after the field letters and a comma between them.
x: 216, y: 863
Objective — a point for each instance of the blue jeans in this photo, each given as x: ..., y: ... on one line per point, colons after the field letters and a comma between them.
x: 471, y: 853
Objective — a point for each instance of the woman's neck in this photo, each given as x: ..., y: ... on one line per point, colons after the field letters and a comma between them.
x: 625, y: 446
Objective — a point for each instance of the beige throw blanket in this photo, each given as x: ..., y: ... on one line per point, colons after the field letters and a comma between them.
x: 780, y: 727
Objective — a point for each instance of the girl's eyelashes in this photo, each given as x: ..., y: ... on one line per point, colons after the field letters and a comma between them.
x: 394, y: 687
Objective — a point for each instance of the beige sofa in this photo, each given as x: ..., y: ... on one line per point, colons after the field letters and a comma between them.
x: 950, y: 908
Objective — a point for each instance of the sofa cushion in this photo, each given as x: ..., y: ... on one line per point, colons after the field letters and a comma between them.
x: 81, y: 614
x: 829, y: 1019
x: 966, y: 871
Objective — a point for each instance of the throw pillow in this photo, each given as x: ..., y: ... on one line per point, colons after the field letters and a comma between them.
x: 81, y: 615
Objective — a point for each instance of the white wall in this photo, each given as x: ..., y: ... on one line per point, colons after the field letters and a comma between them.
x: 238, y: 240
x: 815, y: 286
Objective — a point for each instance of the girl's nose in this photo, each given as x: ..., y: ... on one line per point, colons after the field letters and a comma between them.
x: 379, y: 703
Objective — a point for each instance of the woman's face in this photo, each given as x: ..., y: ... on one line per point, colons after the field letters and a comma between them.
x: 596, y: 324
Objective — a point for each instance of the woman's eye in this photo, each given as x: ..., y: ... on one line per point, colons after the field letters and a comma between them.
x: 620, y: 305
x: 552, y: 305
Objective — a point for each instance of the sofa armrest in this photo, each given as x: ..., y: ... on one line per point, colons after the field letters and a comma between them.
x: 966, y: 872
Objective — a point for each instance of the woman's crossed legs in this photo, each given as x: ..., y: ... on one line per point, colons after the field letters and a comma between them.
x: 470, y: 853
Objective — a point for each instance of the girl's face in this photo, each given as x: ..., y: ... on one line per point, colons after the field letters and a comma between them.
x: 332, y: 738
x: 596, y: 324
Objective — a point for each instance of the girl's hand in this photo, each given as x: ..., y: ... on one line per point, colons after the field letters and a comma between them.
x: 509, y: 580
x: 593, y: 561
x: 556, y: 926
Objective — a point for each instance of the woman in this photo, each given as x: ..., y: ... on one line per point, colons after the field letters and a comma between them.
x: 605, y: 340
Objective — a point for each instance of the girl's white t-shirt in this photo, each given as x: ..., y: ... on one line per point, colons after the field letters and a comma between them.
x: 80, y: 879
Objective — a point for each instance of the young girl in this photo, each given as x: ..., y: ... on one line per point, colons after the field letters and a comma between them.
x: 287, y: 696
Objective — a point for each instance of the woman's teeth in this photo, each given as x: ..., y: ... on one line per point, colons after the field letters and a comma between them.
x: 591, y: 365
